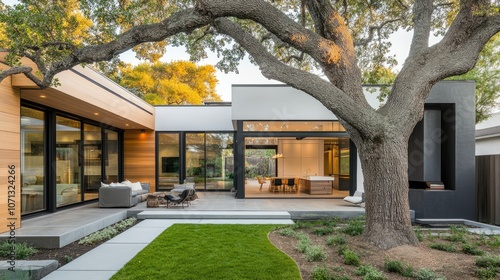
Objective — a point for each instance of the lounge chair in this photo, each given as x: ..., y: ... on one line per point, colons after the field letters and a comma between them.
x: 358, y: 198
x: 178, y: 199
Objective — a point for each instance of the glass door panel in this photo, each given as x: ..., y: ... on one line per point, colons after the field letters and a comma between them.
x: 111, y: 158
x: 92, y: 161
x: 68, y: 169
x: 168, y: 160
x: 196, y: 167
x: 219, y: 161
x: 33, y: 188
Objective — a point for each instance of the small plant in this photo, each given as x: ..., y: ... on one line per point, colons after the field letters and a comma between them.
x: 67, y: 259
x: 457, y: 234
x: 354, y: 227
x: 320, y: 273
x: 336, y: 240
x: 330, y: 222
x: 286, y: 232
x: 494, y: 241
x: 351, y: 258
x: 323, y: 231
x: 471, y: 250
x: 443, y: 247
x: 369, y: 273
x: 303, y: 242
x: 315, y: 253
x: 399, y: 267
x: 427, y: 274
x: 303, y: 224
x: 418, y: 233
x: 21, y: 250
x: 341, y: 249
x: 107, y: 233
x: 488, y: 261
x: 486, y: 273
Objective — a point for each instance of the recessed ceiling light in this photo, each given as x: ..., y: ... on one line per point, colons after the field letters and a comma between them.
x: 42, y: 96
x: 97, y: 114
x: 126, y: 124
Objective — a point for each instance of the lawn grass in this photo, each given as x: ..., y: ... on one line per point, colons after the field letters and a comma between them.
x: 193, y: 251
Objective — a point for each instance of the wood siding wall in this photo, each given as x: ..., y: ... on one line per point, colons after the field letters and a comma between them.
x: 488, y: 188
x: 139, y: 156
x: 10, y: 133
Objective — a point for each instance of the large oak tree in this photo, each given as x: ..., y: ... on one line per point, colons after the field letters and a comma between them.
x: 321, y: 47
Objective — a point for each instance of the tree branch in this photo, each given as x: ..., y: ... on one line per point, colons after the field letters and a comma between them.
x: 371, y: 31
x: 182, y: 21
x: 422, y: 14
x: 346, y: 108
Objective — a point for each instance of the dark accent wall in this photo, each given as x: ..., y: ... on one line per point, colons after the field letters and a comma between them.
x: 444, y: 141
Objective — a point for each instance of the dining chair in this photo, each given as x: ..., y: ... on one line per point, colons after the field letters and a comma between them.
x: 261, y: 182
x: 291, y: 185
x: 277, y: 183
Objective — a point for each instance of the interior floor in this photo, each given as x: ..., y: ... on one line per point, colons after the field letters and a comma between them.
x: 252, y: 190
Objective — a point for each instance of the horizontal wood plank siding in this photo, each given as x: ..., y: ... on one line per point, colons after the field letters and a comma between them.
x: 10, y: 144
x: 139, y: 156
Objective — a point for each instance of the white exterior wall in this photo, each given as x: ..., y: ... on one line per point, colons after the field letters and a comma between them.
x: 193, y: 118
x: 488, y: 146
x: 276, y: 102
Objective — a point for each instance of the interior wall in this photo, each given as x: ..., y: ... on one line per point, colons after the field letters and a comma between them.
x: 139, y: 157
x: 10, y: 162
x: 300, y: 157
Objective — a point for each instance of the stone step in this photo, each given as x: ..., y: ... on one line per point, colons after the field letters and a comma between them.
x: 193, y: 214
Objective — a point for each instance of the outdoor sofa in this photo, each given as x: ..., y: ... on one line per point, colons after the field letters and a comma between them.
x: 125, y: 194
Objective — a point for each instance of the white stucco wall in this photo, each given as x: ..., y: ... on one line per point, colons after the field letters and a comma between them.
x: 193, y: 118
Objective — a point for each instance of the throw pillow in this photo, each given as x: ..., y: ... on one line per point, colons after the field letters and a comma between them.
x: 104, y: 185
x: 136, y: 186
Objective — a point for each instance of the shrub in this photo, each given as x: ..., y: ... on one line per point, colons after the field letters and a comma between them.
x: 351, y: 258
x: 488, y: 261
x: 369, y: 273
x: 457, y: 234
x: 107, y: 233
x: 471, y: 250
x: 320, y: 273
x: 341, y: 249
x: 21, y: 250
x: 427, y: 274
x: 399, y: 267
x: 330, y: 222
x: 336, y: 240
x: 354, y: 227
x: 286, y: 232
x: 303, y: 224
x: 303, y: 242
x: 315, y: 253
x: 443, y: 247
x: 323, y: 231
x: 418, y: 233
x: 486, y: 273
x: 494, y: 241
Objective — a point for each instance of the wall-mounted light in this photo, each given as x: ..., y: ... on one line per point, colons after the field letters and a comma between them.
x: 142, y: 130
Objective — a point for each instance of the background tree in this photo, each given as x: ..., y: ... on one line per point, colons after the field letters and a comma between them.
x: 179, y: 82
x: 320, y: 47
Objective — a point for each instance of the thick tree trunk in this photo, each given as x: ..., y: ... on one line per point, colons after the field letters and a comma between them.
x: 385, y: 171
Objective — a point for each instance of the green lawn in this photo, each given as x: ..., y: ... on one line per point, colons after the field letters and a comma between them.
x: 193, y: 251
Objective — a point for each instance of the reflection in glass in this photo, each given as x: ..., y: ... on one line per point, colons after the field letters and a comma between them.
x: 219, y: 161
x: 68, y: 170
x: 33, y: 188
x: 168, y: 160
x: 195, y: 159
x: 92, y: 159
x: 111, y: 164
x: 298, y: 126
